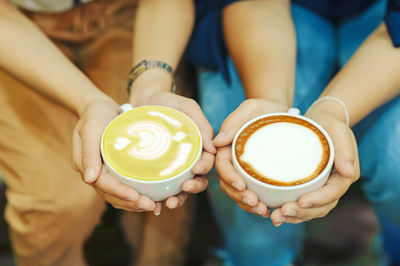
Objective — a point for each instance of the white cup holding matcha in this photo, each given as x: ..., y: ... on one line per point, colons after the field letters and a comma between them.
x: 151, y: 149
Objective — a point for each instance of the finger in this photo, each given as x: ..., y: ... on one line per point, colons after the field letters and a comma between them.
x: 176, y: 201
x: 195, y: 185
x: 245, y: 112
x: 292, y: 211
x: 277, y: 218
x: 134, y: 206
x: 246, y: 197
x: 76, y: 152
x: 345, y: 155
x: 193, y: 110
x: 336, y: 186
x: 205, y: 164
x: 261, y: 209
x: 224, y: 167
x: 91, y: 158
x: 157, y: 209
x: 109, y: 185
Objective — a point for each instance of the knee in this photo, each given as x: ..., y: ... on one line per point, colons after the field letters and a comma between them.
x: 379, y: 150
x: 38, y: 226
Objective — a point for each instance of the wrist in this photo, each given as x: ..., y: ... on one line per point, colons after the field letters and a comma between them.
x: 329, y: 109
x: 92, y: 98
x: 148, y: 83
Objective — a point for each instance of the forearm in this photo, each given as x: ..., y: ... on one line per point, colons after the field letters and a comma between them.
x: 27, y: 54
x: 162, y: 30
x: 261, y: 41
x: 370, y: 79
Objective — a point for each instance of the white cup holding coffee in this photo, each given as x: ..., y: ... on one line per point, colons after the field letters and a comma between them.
x: 282, y: 156
x: 152, y: 149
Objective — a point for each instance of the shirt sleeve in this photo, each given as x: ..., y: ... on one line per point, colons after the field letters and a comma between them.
x: 206, y: 47
x: 392, y: 20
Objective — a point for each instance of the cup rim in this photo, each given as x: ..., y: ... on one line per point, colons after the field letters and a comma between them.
x: 130, y: 179
x: 327, y: 168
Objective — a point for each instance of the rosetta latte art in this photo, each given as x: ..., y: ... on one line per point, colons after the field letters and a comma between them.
x: 159, y: 142
x: 154, y: 140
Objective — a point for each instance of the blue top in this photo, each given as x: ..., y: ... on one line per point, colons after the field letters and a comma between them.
x: 207, y: 46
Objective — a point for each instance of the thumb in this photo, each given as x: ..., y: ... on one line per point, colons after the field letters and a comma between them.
x: 234, y: 122
x: 91, y: 158
x: 345, y: 150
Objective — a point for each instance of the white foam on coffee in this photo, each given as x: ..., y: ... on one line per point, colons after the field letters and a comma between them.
x: 179, y: 136
x: 283, y: 151
x: 154, y: 140
x: 121, y: 143
x: 181, y: 158
x: 167, y: 118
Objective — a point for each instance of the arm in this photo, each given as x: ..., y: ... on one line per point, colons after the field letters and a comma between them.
x: 31, y: 57
x: 261, y: 41
x: 27, y: 54
x: 162, y: 30
x: 370, y: 79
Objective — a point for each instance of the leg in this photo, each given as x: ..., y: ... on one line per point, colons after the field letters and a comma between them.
x: 379, y: 150
x: 50, y: 211
x: 107, y: 62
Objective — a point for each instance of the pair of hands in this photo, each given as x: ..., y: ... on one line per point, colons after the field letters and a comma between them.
x: 87, y: 158
x: 309, y: 206
x: 97, y: 115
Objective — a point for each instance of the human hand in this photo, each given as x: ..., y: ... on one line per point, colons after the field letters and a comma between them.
x: 87, y: 158
x: 230, y: 181
x: 152, y: 88
x: 319, y: 203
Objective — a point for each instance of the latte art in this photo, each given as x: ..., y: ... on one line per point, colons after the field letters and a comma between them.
x: 151, y: 143
x: 154, y: 140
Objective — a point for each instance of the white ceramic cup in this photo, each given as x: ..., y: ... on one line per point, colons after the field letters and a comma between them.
x: 273, y: 195
x: 156, y: 190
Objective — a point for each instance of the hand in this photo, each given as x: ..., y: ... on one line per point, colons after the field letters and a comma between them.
x: 87, y: 159
x: 151, y: 88
x: 319, y: 203
x: 230, y: 181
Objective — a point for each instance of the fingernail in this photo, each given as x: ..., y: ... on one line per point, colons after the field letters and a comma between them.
x: 186, y: 187
x: 173, y: 204
x: 157, y: 212
x: 280, y: 220
x: 290, y: 213
x: 305, y: 205
x: 278, y: 224
x: 247, y: 201
x: 220, y: 136
x: 199, y: 169
x: 237, y: 186
x: 89, y: 174
x: 147, y: 205
x: 350, y: 168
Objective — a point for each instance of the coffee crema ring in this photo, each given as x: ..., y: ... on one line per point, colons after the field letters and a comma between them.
x: 256, y: 125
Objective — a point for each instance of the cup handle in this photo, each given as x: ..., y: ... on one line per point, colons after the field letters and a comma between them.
x: 126, y: 107
x: 294, y: 111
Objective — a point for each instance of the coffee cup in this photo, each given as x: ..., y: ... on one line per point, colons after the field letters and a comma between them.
x: 282, y: 156
x: 151, y: 149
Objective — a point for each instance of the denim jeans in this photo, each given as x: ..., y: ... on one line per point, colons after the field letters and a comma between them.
x: 321, y: 48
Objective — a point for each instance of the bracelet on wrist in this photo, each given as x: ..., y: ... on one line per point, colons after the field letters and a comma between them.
x: 150, y: 64
x: 337, y: 100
